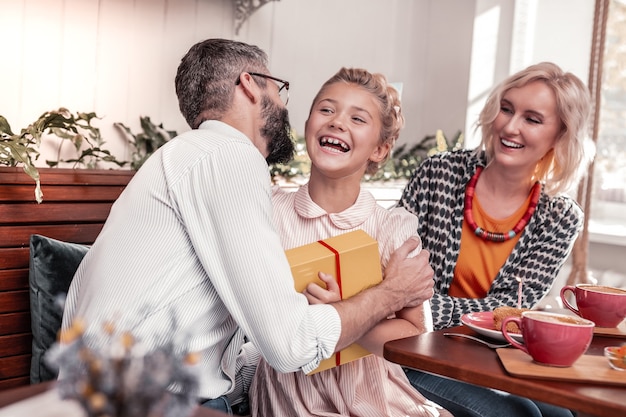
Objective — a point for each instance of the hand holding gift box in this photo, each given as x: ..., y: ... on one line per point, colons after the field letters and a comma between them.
x: 353, y: 259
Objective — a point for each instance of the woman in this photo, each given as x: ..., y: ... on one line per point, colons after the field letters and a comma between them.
x: 496, y: 215
x: 353, y: 123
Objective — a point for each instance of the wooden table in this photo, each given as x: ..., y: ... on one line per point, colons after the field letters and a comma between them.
x: 472, y: 362
x: 11, y: 396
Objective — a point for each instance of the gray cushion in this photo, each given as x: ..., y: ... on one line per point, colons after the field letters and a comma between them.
x: 52, y: 267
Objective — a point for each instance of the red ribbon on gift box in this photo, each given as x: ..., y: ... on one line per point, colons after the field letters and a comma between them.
x: 338, y: 278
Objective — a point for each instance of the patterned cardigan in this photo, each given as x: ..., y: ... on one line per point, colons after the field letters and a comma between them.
x: 436, y: 194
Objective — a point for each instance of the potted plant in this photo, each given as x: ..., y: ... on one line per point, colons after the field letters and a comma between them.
x: 145, y: 143
x: 400, y: 166
x: 21, y: 149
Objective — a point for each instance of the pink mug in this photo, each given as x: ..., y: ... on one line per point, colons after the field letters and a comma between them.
x: 551, y: 338
x: 604, y: 305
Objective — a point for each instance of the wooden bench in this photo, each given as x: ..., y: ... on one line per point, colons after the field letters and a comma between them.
x: 75, y: 205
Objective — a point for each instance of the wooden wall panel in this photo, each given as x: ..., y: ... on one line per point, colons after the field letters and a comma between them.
x: 16, y: 369
x: 15, y: 382
x: 16, y: 344
x: 13, y: 258
x: 9, y: 193
x: 75, y: 206
x: 14, y: 301
x: 14, y: 279
x: 11, y: 323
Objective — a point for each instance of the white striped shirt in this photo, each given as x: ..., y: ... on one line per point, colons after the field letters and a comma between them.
x: 193, y: 234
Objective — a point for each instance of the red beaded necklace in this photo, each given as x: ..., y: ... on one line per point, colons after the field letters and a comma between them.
x: 495, y: 236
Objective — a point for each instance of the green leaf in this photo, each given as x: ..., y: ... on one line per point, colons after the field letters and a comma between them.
x: 5, y: 127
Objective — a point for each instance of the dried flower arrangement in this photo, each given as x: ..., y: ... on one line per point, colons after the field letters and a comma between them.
x: 124, y: 379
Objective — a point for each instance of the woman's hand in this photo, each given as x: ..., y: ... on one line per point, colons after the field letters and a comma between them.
x: 318, y: 295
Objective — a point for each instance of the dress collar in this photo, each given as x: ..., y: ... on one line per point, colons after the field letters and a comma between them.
x: 351, y: 218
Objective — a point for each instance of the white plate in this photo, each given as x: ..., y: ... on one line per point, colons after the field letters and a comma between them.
x: 482, y: 323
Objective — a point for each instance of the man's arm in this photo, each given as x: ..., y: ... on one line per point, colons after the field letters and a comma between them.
x: 408, y: 282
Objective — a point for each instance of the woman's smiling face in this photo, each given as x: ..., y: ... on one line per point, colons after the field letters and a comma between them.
x: 343, y: 131
x: 527, y: 126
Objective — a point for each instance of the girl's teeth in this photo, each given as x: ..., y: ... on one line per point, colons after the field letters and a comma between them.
x: 336, y: 142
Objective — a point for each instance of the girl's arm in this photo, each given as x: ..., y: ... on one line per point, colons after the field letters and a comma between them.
x: 407, y: 322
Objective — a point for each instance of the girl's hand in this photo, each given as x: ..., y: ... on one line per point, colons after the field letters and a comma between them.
x: 318, y: 295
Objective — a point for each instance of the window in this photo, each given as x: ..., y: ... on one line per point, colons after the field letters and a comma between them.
x: 537, y: 33
x: 608, y: 212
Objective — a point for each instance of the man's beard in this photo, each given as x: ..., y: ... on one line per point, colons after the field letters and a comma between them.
x: 277, y: 131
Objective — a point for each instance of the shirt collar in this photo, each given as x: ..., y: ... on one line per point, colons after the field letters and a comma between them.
x: 350, y: 218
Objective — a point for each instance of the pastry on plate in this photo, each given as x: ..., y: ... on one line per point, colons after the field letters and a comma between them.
x: 505, y: 311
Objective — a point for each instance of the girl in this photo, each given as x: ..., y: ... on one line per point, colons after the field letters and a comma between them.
x: 352, y: 126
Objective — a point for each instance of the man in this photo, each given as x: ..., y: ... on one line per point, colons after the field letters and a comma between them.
x: 192, y: 234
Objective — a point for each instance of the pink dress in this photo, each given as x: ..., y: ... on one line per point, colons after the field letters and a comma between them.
x: 368, y: 387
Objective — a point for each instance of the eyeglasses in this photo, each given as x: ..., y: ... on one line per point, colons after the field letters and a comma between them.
x: 283, y: 86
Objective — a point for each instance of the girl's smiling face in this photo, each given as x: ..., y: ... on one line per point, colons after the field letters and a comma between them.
x: 343, y: 131
x: 527, y: 126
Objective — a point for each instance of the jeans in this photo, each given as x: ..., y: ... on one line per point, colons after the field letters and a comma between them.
x: 467, y: 400
x: 220, y: 403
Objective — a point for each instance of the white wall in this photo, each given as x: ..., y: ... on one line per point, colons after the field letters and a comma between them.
x: 424, y: 44
x: 115, y: 57
x: 119, y: 57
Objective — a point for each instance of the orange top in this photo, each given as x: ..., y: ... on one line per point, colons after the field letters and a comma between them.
x: 480, y: 260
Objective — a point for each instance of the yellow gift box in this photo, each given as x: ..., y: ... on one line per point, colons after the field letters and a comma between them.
x: 353, y: 259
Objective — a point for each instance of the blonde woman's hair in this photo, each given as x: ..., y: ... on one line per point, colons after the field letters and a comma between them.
x: 387, y: 97
x: 563, y: 166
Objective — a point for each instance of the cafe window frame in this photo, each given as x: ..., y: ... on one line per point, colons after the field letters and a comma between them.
x: 607, y: 222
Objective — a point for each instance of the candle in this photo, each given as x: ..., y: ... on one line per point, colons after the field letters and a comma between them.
x: 519, y: 293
